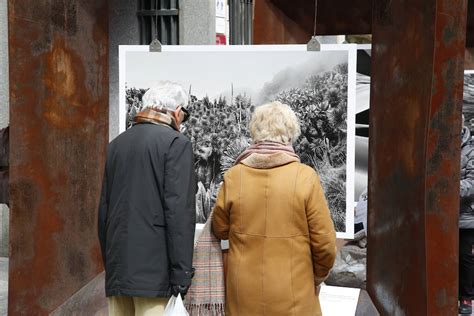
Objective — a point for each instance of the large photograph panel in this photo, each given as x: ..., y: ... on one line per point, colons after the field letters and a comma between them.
x: 226, y: 84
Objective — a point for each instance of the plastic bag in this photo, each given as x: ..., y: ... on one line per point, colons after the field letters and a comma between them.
x: 175, y: 307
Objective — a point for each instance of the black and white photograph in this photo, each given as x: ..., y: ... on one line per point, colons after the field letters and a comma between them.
x: 362, y: 120
x: 468, y: 99
x: 226, y: 84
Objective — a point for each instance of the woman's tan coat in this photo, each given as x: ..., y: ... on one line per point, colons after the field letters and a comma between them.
x: 282, y: 238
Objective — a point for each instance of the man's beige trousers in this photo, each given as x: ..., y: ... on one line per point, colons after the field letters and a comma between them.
x: 136, y: 306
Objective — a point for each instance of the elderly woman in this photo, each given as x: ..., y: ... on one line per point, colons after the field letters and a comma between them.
x: 273, y: 211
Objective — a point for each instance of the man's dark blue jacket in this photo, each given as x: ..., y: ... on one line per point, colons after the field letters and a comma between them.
x: 147, y: 212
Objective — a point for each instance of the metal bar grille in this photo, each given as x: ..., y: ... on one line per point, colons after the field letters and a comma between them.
x: 158, y: 19
x: 241, y: 22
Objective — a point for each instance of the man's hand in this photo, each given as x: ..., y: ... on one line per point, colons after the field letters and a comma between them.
x: 179, y: 289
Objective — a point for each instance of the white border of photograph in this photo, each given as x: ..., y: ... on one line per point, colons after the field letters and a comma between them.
x: 469, y: 71
x: 351, y: 90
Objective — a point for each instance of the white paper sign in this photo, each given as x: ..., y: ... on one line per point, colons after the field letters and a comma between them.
x: 337, y: 301
x: 220, y: 8
x: 220, y: 25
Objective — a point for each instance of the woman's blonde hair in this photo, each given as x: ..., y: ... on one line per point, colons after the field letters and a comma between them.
x: 274, y: 122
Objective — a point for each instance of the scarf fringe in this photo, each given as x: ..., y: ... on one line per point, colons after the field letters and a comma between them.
x: 215, y: 309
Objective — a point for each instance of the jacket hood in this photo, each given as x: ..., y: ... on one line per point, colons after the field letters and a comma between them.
x: 465, y: 136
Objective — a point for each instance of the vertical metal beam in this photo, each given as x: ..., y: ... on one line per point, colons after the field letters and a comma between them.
x: 242, y: 22
x: 243, y: 19
x: 250, y: 21
x: 249, y: 24
x: 58, y: 131
x: 174, y: 24
x: 163, y: 25
x: 236, y: 23
x: 232, y: 22
x: 415, y: 123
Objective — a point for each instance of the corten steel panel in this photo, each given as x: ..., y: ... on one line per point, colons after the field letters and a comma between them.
x: 415, y: 121
x: 292, y: 22
x: 58, y: 135
x: 288, y: 22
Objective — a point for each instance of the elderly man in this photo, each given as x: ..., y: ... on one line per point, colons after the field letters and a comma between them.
x: 147, y: 208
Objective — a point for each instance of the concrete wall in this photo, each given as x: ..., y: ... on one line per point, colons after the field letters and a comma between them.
x: 123, y: 30
x: 197, y: 22
x: 4, y: 114
x: 4, y: 224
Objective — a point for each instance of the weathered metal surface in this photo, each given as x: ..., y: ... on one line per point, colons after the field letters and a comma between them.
x: 58, y: 135
x: 415, y: 123
x: 282, y: 21
x: 90, y: 300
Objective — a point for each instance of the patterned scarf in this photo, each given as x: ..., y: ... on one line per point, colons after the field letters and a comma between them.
x: 267, y: 147
x: 155, y: 116
x: 206, y: 296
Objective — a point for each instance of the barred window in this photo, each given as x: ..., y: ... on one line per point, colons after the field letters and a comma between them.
x: 241, y: 22
x: 158, y: 19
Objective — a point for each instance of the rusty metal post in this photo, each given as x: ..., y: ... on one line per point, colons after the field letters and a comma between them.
x: 58, y: 54
x: 415, y: 120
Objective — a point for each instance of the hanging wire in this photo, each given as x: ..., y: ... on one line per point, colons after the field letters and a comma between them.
x: 315, y: 15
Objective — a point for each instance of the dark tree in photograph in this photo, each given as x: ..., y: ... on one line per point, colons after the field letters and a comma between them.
x: 218, y: 130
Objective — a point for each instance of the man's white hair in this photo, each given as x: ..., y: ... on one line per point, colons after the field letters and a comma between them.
x: 165, y: 95
x: 274, y: 122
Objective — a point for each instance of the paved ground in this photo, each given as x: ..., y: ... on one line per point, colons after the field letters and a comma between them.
x: 3, y: 286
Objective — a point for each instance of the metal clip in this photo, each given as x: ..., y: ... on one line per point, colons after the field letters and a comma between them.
x: 313, y: 45
x: 155, y: 46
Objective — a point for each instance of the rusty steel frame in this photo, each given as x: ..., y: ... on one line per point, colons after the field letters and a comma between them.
x: 415, y: 124
x: 58, y: 135
x: 58, y: 54
x: 291, y: 22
